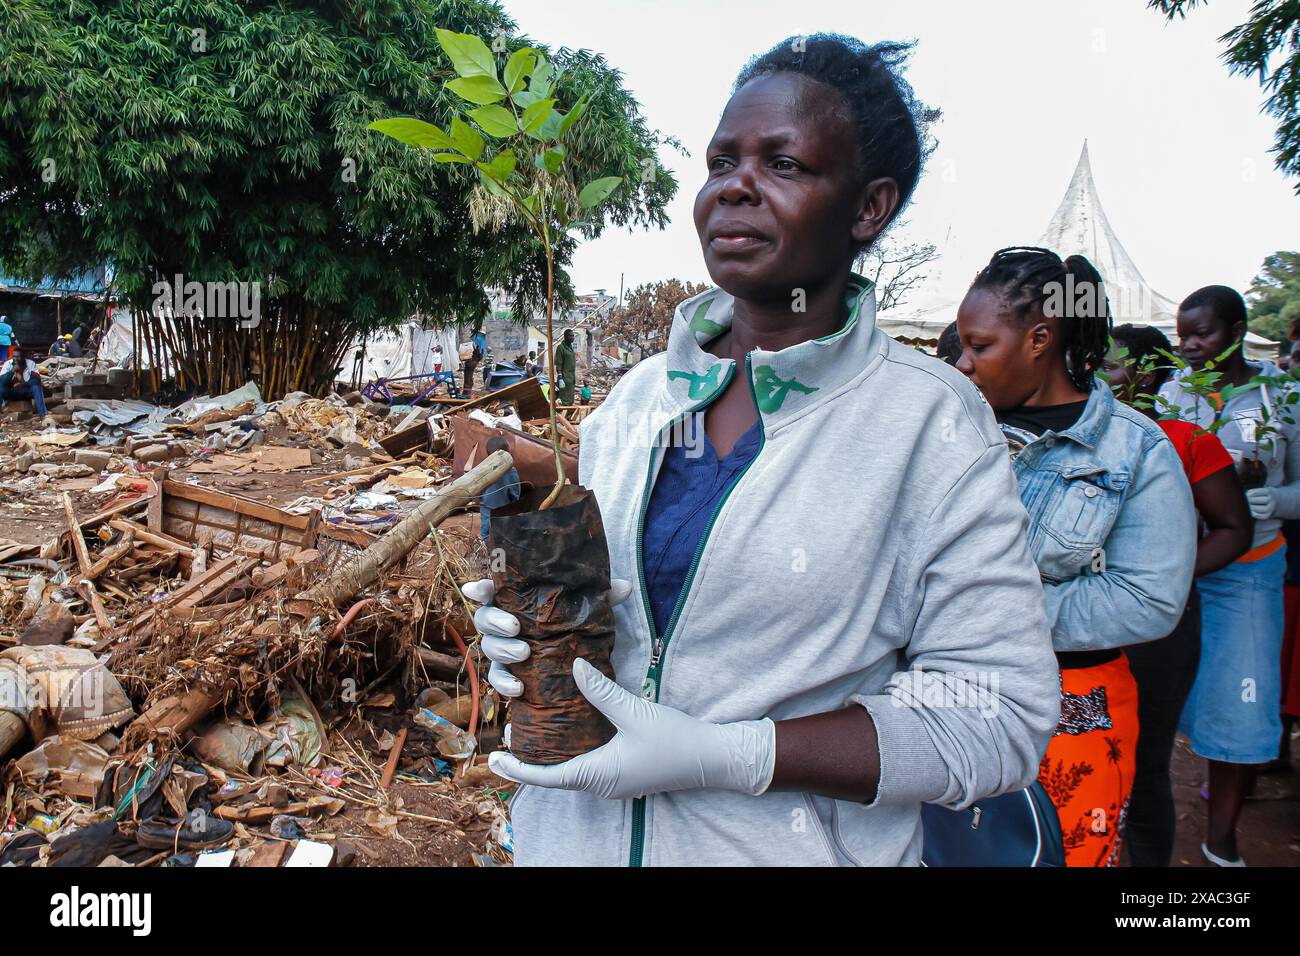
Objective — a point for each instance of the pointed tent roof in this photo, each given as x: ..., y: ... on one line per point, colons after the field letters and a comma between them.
x: 1080, y: 227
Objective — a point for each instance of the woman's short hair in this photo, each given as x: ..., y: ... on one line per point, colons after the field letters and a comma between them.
x: 890, y: 125
x: 1225, y: 304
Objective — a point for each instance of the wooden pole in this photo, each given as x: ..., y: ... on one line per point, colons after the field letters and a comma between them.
x: 358, y: 573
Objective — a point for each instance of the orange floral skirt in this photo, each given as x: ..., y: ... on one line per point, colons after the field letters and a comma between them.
x: 1089, y: 765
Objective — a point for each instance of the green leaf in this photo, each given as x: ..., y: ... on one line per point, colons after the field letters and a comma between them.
x: 490, y: 184
x: 452, y: 158
x: 598, y: 190
x: 478, y: 89
x: 495, y: 120
x: 551, y: 160
x: 574, y: 114
x: 521, y: 63
x: 531, y: 202
x: 469, y: 55
x: 413, y: 132
x: 467, y: 140
x: 502, y: 165
x: 534, y: 116
x: 550, y: 130
x: 525, y: 99
x: 542, y: 77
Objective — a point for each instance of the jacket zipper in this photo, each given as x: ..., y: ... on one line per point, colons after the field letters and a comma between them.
x: 659, y: 645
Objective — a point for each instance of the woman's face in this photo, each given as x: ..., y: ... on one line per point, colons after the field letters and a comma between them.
x: 998, y: 356
x: 784, y: 204
x: 1203, y: 337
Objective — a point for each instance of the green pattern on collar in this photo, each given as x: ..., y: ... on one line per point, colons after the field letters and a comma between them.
x: 702, y: 325
x: 770, y: 390
x: 702, y: 385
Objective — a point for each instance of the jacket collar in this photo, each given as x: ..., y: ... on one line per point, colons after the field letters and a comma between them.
x: 785, y: 383
x: 1087, y: 431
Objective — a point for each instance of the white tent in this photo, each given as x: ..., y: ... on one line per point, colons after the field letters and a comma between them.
x: 1078, y: 227
x: 406, y: 350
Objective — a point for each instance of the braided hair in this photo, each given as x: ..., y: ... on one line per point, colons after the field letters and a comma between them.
x: 1036, y: 282
x: 1146, y: 342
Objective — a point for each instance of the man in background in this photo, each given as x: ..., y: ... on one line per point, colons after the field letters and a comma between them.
x: 566, y: 369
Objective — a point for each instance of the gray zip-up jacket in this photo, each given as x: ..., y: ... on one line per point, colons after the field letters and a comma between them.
x: 873, y: 552
x: 1278, y: 445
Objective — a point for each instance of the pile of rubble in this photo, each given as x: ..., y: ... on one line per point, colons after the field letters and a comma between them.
x: 229, y: 637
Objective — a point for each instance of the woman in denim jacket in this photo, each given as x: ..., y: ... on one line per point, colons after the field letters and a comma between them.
x: 1111, y: 522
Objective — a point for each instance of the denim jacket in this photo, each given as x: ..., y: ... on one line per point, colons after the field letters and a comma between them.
x: 1111, y: 526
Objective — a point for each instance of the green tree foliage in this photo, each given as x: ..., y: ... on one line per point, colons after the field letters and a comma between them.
x: 227, y: 141
x: 1267, y: 46
x: 1274, y: 297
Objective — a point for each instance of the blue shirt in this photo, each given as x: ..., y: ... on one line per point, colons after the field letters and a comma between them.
x: 501, y: 492
x: 6, y: 334
x: 690, y: 484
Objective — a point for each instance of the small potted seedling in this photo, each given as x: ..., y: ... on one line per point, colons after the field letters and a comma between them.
x: 552, y: 567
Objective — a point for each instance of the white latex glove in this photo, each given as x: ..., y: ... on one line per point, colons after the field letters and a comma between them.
x: 656, y: 749
x: 499, y: 628
x: 1263, y: 503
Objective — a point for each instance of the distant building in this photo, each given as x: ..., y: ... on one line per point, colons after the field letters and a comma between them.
x: 42, y: 311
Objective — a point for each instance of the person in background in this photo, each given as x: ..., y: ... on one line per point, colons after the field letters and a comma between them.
x: 949, y: 348
x: 1111, y: 522
x: 1231, y: 715
x: 19, y: 379
x: 533, y: 366
x: 66, y: 345
x: 584, y: 394
x: 566, y: 369
x: 501, y: 492
x: 6, y: 339
x: 1165, y: 669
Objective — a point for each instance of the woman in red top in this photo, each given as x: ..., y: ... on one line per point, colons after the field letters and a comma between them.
x: 1165, y: 669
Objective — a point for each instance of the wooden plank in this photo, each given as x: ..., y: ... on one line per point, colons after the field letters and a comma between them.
x: 215, y: 584
x: 78, y: 541
x: 526, y: 395
x: 400, y: 442
x: 155, y: 512
x: 377, y: 466
x: 158, y: 539
x: 225, y: 564
x: 110, y: 554
x: 240, y: 506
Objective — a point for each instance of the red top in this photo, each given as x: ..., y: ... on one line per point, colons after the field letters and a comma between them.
x: 1202, y: 454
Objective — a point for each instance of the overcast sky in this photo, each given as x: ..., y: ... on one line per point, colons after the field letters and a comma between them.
x: 1179, y: 148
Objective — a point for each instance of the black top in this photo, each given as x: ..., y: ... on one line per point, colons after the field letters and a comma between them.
x: 1040, y: 418
x: 1056, y: 418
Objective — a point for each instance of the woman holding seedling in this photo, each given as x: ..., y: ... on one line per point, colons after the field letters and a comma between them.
x: 1111, y: 523
x: 827, y: 611
x: 1137, y: 367
x: 1232, y: 715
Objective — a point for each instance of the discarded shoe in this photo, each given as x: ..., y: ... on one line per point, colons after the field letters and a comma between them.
x: 197, y: 832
